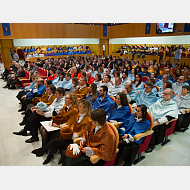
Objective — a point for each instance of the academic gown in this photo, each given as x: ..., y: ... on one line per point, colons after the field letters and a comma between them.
x: 178, y: 87
x: 146, y: 100
x: 132, y: 127
x: 88, y: 98
x: 105, y: 104
x: 160, y: 83
x: 140, y: 87
x: 133, y: 94
x: 120, y: 114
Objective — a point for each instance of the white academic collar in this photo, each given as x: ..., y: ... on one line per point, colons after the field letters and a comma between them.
x: 97, y: 128
x: 119, y: 106
x: 138, y: 119
x: 50, y: 95
x: 147, y: 93
x: 69, y: 107
x: 81, y: 87
x: 184, y: 96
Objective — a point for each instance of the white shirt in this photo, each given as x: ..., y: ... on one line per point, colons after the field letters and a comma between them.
x: 97, y: 128
x: 119, y: 106
x: 50, y: 96
x: 81, y: 117
x: 81, y: 87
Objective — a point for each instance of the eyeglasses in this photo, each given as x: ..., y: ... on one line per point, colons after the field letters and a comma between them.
x: 67, y: 98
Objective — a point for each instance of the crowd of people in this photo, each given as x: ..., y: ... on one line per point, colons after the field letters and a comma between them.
x: 84, y: 93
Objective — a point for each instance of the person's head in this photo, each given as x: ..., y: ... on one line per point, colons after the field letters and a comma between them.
x: 67, y: 76
x: 51, y: 89
x: 103, y: 91
x: 107, y: 78
x: 128, y: 87
x: 47, y: 83
x: 98, y: 77
x: 57, y: 73
x: 133, y: 71
x: 107, y: 72
x: 100, y: 70
x: 82, y: 81
x: 168, y: 94
x: 85, y: 107
x: 121, y: 99
x: 152, y: 80
x: 185, y: 68
x: 124, y: 75
x: 88, y: 75
x: 52, y: 71
x: 138, y: 78
x: 141, y: 112
x: 83, y: 74
x: 185, y: 90
x: 117, y: 81
x: 92, y: 88
x: 40, y: 81
x: 145, y: 69
x: 71, y: 99
x: 75, y: 81
x: 181, y: 79
x: 98, y: 117
x: 138, y: 68
x: 148, y: 87
x: 60, y: 92
x: 61, y: 75
x: 167, y: 71
x: 167, y: 85
x: 165, y: 78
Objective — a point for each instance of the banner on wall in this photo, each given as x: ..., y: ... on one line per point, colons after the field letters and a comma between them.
x: 147, y: 29
x: 6, y: 29
x: 104, y: 30
x: 187, y: 27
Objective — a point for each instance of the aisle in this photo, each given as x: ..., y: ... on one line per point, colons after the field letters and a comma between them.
x: 15, y: 152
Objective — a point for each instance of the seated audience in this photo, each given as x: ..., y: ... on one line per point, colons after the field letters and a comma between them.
x: 107, y: 82
x: 120, y: 111
x: 98, y: 81
x: 145, y: 72
x: 74, y: 85
x: 92, y: 93
x: 67, y: 82
x: 99, y: 140
x: 60, y: 80
x: 82, y: 89
x: 37, y: 116
x: 90, y: 79
x: 52, y: 74
x: 132, y: 75
x: 165, y: 85
x: 134, y: 124
x: 163, y: 110
x: 185, y: 72
x: 103, y: 100
x: 125, y: 78
x: 183, y: 103
x: 165, y: 78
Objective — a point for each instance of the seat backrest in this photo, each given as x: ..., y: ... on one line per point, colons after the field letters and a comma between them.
x: 112, y: 98
x: 151, y: 120
x: 131, y: 109
x: 115, y: 132
x: 157, y: 88
x: 145, y: 78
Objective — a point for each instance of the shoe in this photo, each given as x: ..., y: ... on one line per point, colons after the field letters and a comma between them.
x: 6, y: 86
x: 21, y: 132
x: 20, y: 110
x: 22, y: 123
x: 41, y: 153
x: 32, y: 139
x: 11, y: 88
x: 149, y: 150
x: 23, y: 113
x: 48, y: 159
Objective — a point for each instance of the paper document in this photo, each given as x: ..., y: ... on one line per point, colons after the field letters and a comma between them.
x: 48, y: 126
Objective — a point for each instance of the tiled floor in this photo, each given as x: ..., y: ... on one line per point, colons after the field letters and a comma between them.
x: 15, y: 152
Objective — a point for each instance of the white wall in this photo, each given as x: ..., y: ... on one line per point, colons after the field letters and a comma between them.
x: 185, y: 39
x: 54, y: 41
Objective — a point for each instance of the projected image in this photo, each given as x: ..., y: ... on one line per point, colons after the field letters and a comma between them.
x: 165, y: 27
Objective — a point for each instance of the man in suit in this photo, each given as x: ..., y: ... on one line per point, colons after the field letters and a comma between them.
x: 82, y: 89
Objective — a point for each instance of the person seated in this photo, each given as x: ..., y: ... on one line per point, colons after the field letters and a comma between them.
x: 60, y: 80
x: 131, y: 92
x: 134, y: 124
x: 73, y: 72
x: 35, y: 54
x: 68, y: 114
x: 165, y: 85
x: 46, y: 53
x: 185, y: 72
x: 67, y: 82
x: 79, y: 126
x: 82, y: 89
x: 120, y: 111
x: 32, y: 49
x: 15, y: 78
x: 36, y: 91
x: 99, y: 140
x: 26, y: 50
x: 90, y: 79
x: 177, y: 86
x: 167, y: 71
x: 137, y: 83
x: 125, y: 78
x: 57, y: 72
x: 107, y: 82
x: 48, y: 98
x: 183, y: 103
x: 162, y: 111
x: 146, y: 96
x: 74, y: 85
x: 145, y: 72
x: 88, y: 51
x: 132, y: 75
x: 58, y: 53
x: 60, y: 48
x: 152, y: 76
x: 49, y: 49
x: 165, y: 78
x: 82, y: 74
x: 37, y: 116
x: 103, y: 100
x: 118, y: 87
x: 52, y: 74
x: 94, y: 71
x: 92, y: 93
x: 98, y: 81
x: 52, y: 53
x: 70, y: 48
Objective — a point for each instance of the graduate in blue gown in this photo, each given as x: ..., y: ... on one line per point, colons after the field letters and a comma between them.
x: 135, y: 124
x: 137, y: 83
x: 164, y: 79
x: 146, y: 96
x: 132, y: 75
x: 120, y: 111
x: 103, y: 100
